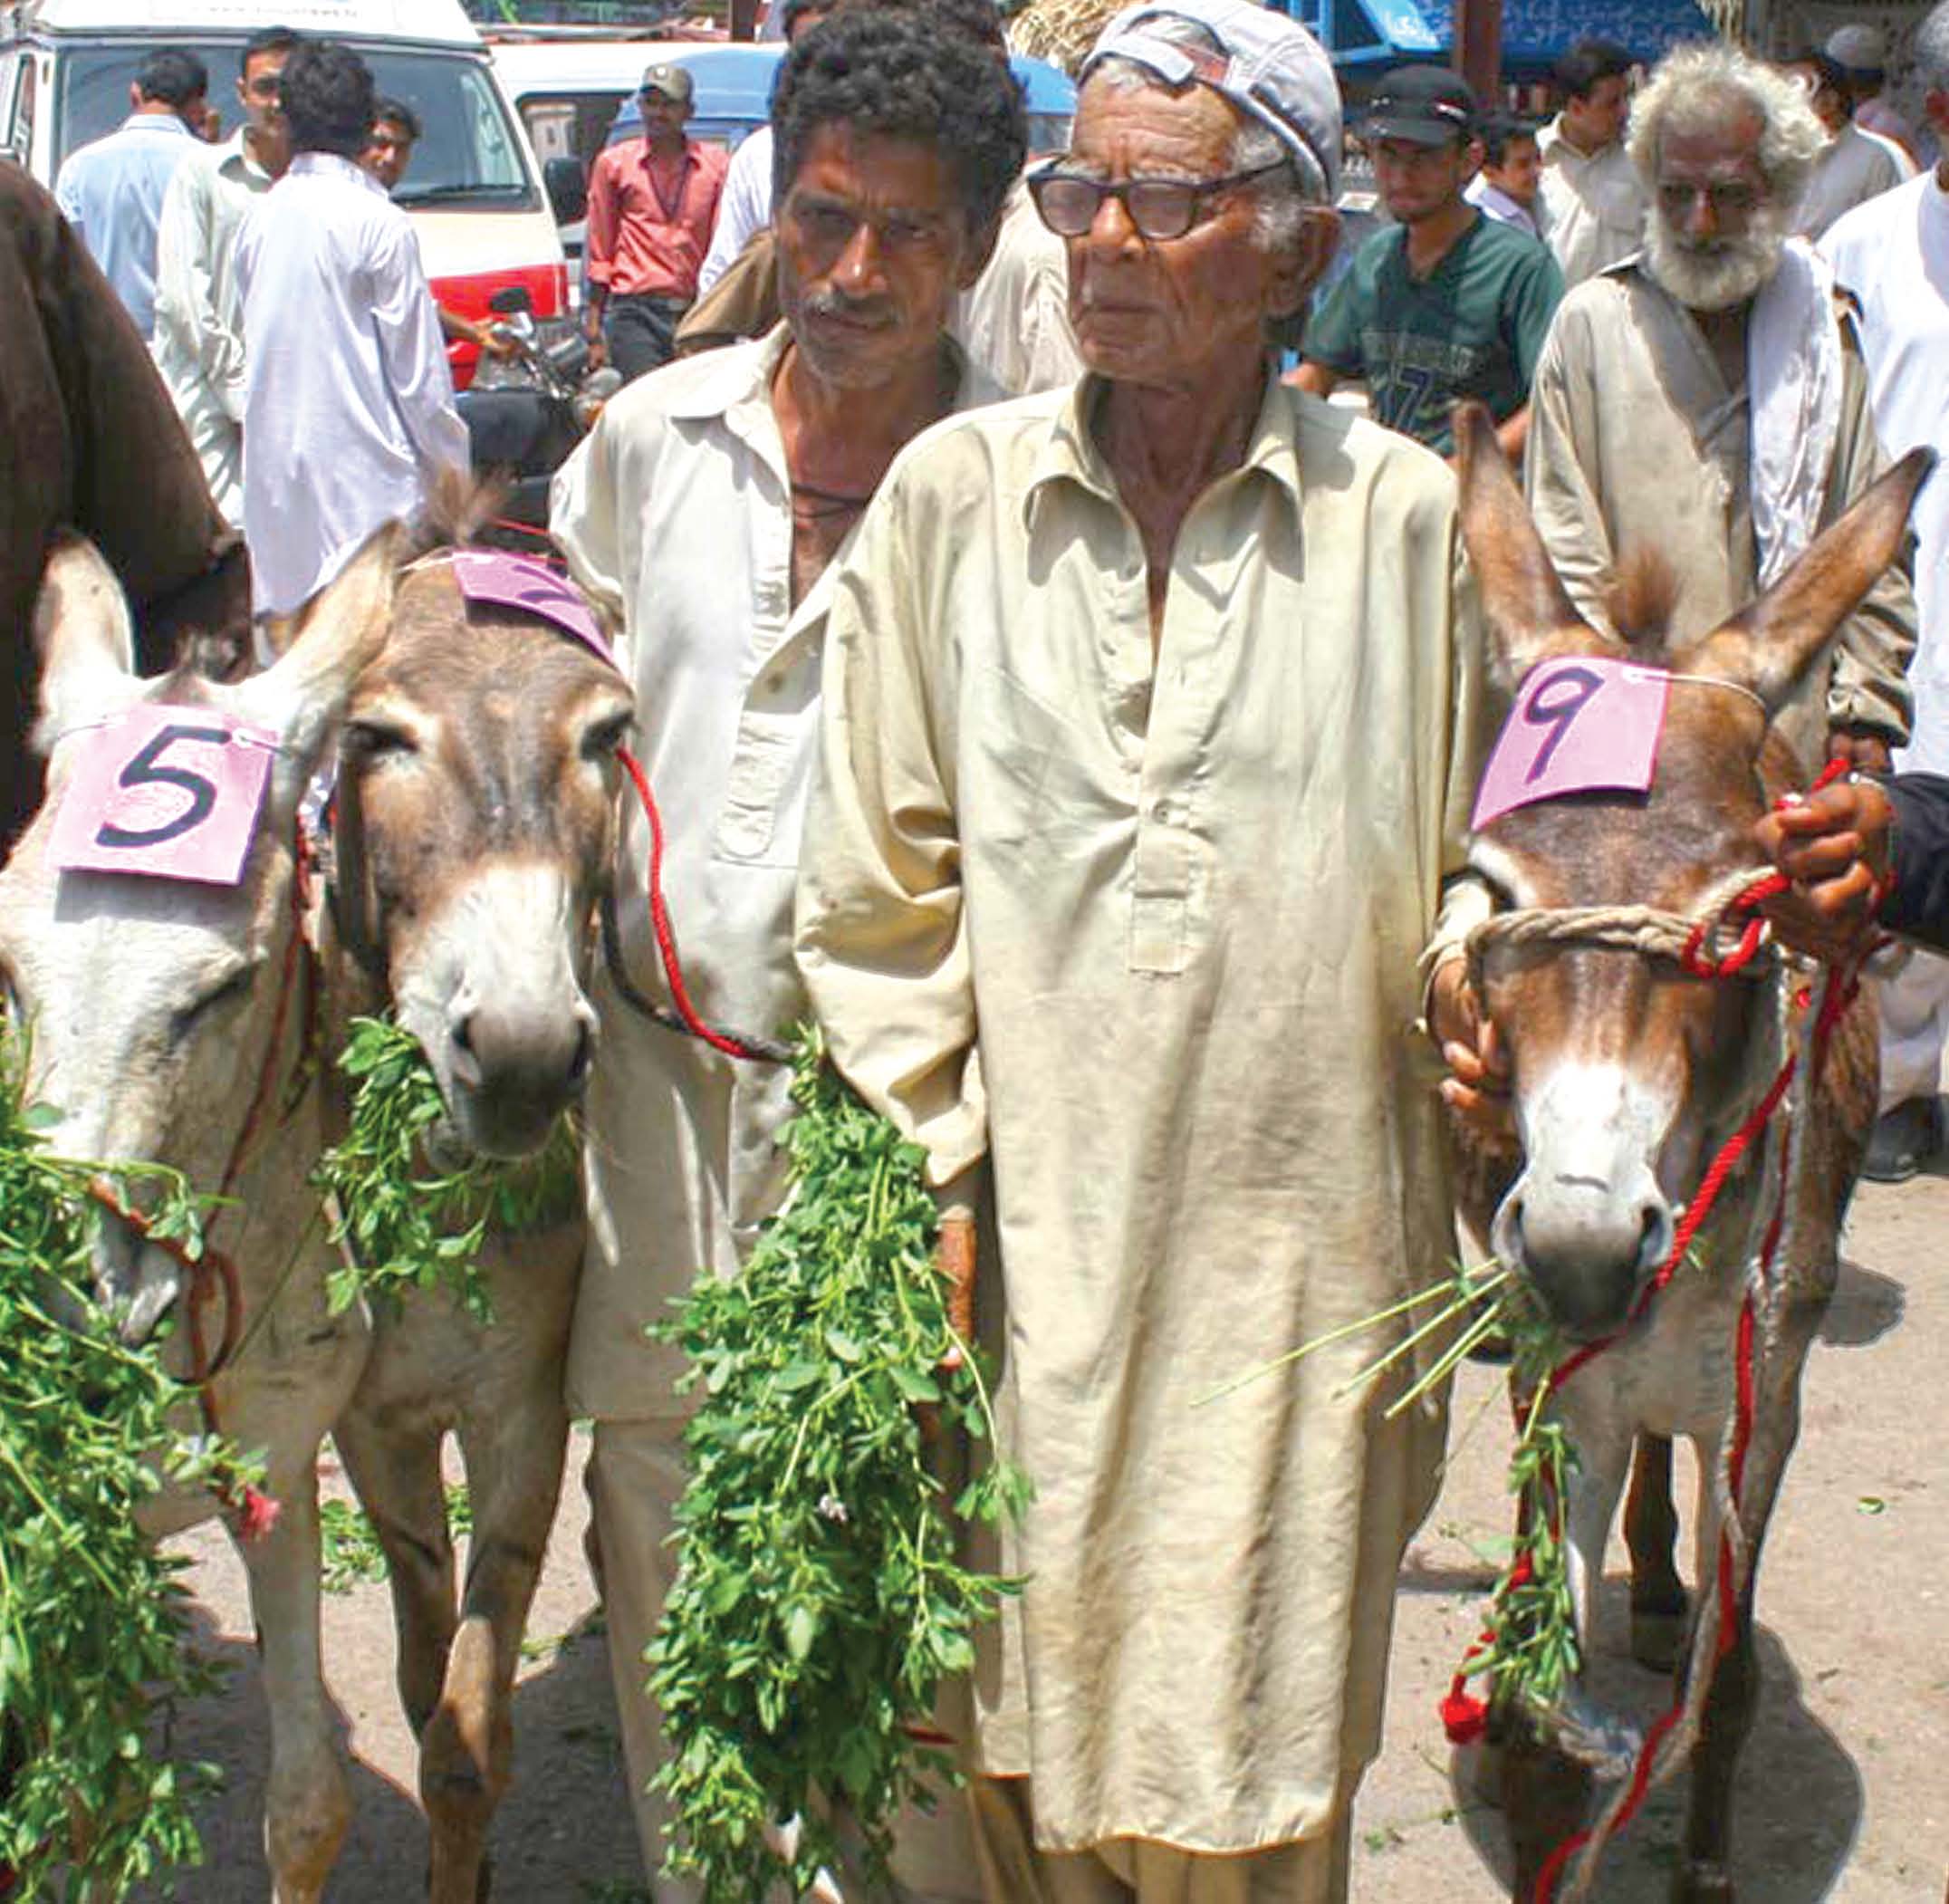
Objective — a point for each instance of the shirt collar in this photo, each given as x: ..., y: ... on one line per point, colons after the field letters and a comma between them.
x: 335, y: 165
x: 166, y: 123
x: 1070, y: 454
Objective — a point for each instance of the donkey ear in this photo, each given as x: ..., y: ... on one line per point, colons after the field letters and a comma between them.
x: 85, y: 637
x: 1531, y: 617
x: 339, y: 633
x: 1769, y: 645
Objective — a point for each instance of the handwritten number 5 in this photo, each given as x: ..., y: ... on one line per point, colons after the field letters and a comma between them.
x: 147, y: 769
x: 1558, y: 711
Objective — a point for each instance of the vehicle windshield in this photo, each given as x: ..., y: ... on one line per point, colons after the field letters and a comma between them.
x: 468, y: 153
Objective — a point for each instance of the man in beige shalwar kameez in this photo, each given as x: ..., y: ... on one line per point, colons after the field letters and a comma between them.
x: 1705, y: 401
x: 1149, y: 736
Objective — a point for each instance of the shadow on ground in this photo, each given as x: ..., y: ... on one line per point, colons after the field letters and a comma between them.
x: 552, y: 1838
x: 1796, y: 1810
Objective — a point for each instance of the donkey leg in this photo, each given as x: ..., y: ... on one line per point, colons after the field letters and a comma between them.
x: 396, y: 1478
x: 308, y: 1806
x: 1706, y: 1873
x: 467, y: 1753
x: 1659, y: 1607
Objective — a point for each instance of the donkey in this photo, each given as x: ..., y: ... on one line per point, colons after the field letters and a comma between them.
x: 1627, y: 1075
x: 160, y: 1012
x: 476, y: 794
x: 475, y: 831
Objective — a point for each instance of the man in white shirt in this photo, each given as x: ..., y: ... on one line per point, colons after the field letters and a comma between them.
x: 1854, y: 167
x: 707, y: 515
x: 112, y: 189
x: 1891, y: 258
x: 1593, y: 200
x: 349, y: 414
x: 198, y: 345
x: 1507, y: 187
x: 744, y: 205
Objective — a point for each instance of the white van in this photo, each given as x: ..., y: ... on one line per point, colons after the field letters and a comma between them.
x: 473, y: 191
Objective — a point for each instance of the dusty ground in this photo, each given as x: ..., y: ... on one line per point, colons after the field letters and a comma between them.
x: 1844, y: 1789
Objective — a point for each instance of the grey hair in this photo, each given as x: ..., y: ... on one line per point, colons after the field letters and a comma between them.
x: 1931, y: 50
x: 1691, y: 88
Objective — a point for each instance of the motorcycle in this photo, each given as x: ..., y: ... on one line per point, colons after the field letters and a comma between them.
x: 527, y: 409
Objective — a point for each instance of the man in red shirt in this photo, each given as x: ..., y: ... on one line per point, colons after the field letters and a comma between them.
x: 652, y: 202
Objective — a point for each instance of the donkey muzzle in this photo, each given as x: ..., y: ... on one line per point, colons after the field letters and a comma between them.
x: 1585, y: 1246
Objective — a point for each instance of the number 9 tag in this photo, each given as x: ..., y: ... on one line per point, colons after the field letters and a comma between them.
x: 1581, y: 725
x: 173, y: 792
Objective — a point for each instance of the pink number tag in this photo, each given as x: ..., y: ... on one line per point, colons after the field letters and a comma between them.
x: 1580, y: 725
x: 170, y: 792
x: 506, y: 581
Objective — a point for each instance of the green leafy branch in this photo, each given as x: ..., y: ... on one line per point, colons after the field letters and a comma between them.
x: 401, y: 1221
x: 821, y: 1602
x: 93, y: 1618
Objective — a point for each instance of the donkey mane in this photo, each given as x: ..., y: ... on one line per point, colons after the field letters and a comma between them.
x: 1640, y: 601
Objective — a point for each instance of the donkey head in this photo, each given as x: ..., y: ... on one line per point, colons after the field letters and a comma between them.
x: 1625, y: 1069
x: 148, y: 1003
x: 475, y: 823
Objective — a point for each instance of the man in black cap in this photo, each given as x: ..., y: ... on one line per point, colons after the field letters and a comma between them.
x: 652, y: 202
x: 1446, y: 303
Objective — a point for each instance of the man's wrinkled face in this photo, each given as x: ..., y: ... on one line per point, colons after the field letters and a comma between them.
x: 1520, y: 172
x: 257, y: 92
x: 1417, y: 181
x: 1168, y: 312
x: 1596, y: 119
x: 873, y: 245
x: 388, y: 151
x: 1715, y: 231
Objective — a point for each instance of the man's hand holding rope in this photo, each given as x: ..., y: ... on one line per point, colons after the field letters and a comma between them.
x: 1476, y: 1088
x: 1836, y: 846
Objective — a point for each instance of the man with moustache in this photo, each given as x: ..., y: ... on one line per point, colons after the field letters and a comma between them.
x: 198, y: 345
x: 1703, y: 401
x: 706, y: 514
x: 1127, y: 836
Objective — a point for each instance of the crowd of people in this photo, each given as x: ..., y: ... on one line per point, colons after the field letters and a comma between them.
x: 1077, y: 715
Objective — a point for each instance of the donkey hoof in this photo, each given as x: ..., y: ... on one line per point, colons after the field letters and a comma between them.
x: 1658, y: 1636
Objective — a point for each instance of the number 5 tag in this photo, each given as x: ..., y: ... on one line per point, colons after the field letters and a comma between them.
x: 173, y: 792
x: 1581, y: 725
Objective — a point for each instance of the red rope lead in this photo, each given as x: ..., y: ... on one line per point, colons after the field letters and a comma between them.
x: 660, y: 920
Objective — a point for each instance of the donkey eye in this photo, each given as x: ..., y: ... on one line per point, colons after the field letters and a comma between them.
x: 236, y: 986
x: 368, y: 740
x: 605, y: 735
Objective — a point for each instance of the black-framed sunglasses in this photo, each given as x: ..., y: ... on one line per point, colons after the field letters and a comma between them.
x: 1160, y: 208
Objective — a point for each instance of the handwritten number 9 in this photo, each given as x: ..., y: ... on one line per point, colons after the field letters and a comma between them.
x: 146, y: 769
x: 1556, y: 704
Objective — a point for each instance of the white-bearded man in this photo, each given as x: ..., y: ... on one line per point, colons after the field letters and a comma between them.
x: 1703, y: 399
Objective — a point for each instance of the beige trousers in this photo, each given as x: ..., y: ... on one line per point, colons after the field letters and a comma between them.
x: 636, y: 1473
x: 1136, y: 1872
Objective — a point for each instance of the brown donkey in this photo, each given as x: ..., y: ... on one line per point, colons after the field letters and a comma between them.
x: 475, y: 824
x: 1630, y: 1073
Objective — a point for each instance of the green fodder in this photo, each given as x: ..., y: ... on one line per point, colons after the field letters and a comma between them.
x: 819, y: 1600
x: 93, y: 1618
x: 403, y: 1222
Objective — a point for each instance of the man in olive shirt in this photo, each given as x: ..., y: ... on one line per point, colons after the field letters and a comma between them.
x: 1445, y: 303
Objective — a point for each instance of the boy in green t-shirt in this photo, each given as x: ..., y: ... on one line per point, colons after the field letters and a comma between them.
x: 1447, y: 303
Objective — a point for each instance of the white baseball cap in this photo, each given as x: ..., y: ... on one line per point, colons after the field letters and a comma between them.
x: 1268, y: 65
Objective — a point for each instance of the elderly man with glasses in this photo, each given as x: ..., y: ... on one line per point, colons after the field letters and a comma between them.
x: 1150, y: 717
x: 652, y: 206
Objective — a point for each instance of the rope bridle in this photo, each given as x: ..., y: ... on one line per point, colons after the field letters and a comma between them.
x: 1722, y: 937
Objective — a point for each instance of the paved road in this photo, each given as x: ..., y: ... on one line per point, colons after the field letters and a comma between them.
x: 1843, y: 1793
